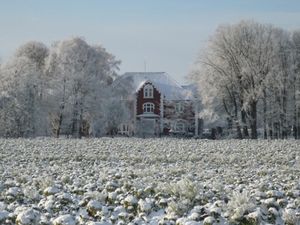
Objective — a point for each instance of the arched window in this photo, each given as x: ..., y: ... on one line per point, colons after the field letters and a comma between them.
x: 148, y: 107
x: 148, y: 91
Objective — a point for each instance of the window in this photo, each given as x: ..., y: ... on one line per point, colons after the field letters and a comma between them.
x: 180, y: 126
x: 124, y: 128
x: 148, y: 107
x: 148, y: 91
x: 179, y: 107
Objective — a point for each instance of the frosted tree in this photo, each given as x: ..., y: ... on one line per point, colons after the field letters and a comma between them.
x: 216, y: 109
x: 236, y: 63
x: 296, y: 83
x: 61, y: 89
x: 116, y: 112
x: 23, y: 85
x: 79, y: 74
x: 115, y: 108
x: 278, y: 92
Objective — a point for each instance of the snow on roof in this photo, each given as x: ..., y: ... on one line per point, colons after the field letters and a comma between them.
x: 161, y: 81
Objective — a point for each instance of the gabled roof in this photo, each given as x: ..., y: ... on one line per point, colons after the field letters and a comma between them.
x: 161, y: 81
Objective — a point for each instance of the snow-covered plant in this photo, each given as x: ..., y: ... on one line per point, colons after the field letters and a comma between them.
x: 240, y: 204
x: 28, y: 217
x: 183, y: 189
x: 290, y: 217
x: 178, y: 208
x: 64, y: 220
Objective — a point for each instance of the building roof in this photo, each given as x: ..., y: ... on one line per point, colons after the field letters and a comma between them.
x: 161, y: 81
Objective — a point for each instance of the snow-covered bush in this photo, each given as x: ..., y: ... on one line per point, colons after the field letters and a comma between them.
x: 240, y: 205
x: 291, y: 217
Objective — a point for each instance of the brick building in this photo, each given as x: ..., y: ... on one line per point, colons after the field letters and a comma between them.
x: 159, y: 106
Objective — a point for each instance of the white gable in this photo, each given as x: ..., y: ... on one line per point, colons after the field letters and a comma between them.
x: 161, y: 81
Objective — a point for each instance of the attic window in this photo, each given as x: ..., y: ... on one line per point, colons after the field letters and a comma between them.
x: 148, y: 107
x: 148, y: 91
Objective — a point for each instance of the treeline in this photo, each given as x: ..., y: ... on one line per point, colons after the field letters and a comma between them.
x: 249, y: 79
x: 65, y: 89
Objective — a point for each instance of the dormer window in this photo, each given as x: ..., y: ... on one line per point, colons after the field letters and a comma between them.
x: 148, y: 91
x: 148, y: 107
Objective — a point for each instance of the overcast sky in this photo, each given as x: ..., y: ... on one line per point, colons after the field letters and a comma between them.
x: 166, y: 34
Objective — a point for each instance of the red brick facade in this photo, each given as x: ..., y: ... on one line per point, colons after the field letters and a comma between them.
x: 141, y: 100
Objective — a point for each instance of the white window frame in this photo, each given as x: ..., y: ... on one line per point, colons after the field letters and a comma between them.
x: 182, y: 126
x: 148, y: 107
x: 148, y: 91
x: 124, y: 128
x: 179, y: 107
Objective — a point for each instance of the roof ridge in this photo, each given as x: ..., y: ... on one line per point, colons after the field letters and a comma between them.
x: 161, y: 80
x: 146, y: 72
x: 169, y: 78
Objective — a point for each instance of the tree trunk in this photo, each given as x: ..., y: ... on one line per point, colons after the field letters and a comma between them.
x: 244, y: 122
x: 80, y: 127
x: 75, y: 121
x: 284, y: 113
x: 253, y: 119
x: 59, y: 124
x: 30, y: 132
x: 270, y: 122
x: 295, y: 111
x: 61, y: 109
x: 234, y: 117
x: 238, y: 129
x: 265, y: 115
x: 296, y: 131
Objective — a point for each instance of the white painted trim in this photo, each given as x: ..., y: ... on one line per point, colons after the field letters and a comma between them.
x: 148, y: 115
x: 151, y: 106
x: 149, y: 89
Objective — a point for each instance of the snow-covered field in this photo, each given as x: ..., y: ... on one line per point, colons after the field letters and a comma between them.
x: 149, y: 181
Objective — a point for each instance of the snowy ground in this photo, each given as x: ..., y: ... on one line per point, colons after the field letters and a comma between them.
x: 149, y: 181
